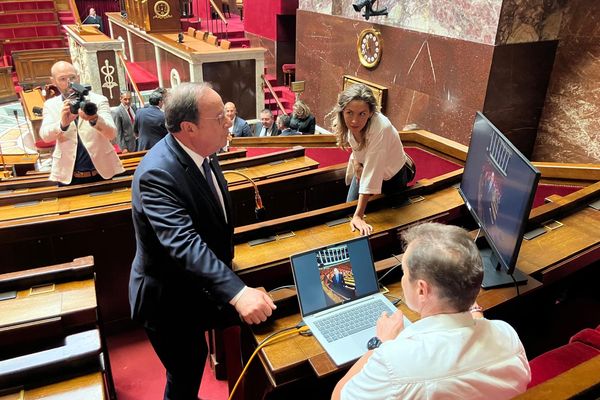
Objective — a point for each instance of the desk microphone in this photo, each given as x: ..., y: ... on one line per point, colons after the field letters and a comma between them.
x: 260, y: 210
x: 180, y: 37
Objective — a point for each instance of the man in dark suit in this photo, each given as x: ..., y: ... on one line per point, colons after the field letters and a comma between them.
x: 149, y: 125
x: 283, y: 123
x: 240, y: 127
x: 93, y: 19
x: 183, y: 223
x: 267, y: 126
x: 124, y: 117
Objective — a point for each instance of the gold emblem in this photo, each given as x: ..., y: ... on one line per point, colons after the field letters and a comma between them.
x: 162, y: 10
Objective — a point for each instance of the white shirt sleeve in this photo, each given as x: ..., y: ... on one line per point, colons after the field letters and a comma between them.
x: 374, y: 381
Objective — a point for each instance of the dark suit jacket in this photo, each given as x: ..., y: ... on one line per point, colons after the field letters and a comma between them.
x: 149, y: 126
x: 125, y: 136
x: 289, y: 132
x: 273, y: 131
x: 241, y: 128
x: 305, y: 126
x: 184, y: 246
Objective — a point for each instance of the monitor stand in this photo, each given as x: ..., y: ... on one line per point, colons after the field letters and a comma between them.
x: 494, y: 276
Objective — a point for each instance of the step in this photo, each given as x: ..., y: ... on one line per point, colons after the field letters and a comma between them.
x: 144, y: 79
x: 239, y: 42
x: 232, y: 35
x: 284, y: 102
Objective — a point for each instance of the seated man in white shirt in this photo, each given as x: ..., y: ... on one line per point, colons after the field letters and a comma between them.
x: 448, y: 353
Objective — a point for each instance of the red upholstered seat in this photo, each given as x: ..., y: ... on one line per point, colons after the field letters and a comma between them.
x: 44, y: 147
x: 582, y: 347
x: 288, y: 67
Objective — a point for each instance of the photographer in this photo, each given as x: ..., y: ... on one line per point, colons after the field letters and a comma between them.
x: 82, y: 127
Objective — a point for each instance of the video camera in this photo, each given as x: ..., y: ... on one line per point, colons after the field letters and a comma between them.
x: 77, y: 99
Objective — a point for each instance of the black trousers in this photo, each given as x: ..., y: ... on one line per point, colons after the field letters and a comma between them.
x: 182, y: 350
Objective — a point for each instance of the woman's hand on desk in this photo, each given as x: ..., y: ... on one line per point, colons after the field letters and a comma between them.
x: 254, y: 306
x: 360, y: 224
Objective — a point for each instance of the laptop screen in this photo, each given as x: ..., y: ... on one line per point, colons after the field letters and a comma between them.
x: 334, y: 274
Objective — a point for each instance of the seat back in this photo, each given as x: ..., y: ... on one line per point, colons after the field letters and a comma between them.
x: 225, y: 44
x: 211, y: 39
x: 191, y: 31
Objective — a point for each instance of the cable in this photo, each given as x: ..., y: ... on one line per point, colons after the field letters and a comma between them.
x: 391, y: 269
x: 277, y: 335
x: 396, y: 299
x: 282, y: 287
x: 516, y: 284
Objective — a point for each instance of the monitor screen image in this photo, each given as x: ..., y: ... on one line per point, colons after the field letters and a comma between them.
x: 498, y: 186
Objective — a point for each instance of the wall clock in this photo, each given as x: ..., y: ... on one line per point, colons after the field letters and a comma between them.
x: 369, y: 47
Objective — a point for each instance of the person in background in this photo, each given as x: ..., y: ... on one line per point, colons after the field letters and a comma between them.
x: 267, y: 126
x: 181, y: 281
x: 452, y: 351
x: 149, y: 126
x: 83, y: 151
x: 302, y: 120
x: 124, y: 117
x: 239, y: 127
x: 93, y: 19
x: 378, y: 163
x: 283, y: 124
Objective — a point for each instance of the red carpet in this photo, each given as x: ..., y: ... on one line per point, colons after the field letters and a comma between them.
x: 139, y: 375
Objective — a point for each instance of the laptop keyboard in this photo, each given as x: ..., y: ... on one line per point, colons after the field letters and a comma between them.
x: 354, y: 320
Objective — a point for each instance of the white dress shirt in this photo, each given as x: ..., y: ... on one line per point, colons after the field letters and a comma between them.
x: 446, y: 356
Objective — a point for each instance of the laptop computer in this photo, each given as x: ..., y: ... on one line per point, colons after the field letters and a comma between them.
x: 339, y: 297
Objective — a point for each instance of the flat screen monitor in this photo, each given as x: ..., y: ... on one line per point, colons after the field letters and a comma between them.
x: 498, y: 186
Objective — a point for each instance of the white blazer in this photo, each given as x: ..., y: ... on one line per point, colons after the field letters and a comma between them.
x: 95, y: 139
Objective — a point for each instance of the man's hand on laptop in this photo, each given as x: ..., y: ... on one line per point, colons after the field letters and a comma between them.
x: 254, y: 306
x: 389, y: 326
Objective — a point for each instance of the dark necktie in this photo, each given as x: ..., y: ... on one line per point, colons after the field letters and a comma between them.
x: 130, y: 114
x: 209, y: 178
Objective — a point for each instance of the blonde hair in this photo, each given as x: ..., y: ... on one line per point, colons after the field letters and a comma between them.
x: 359, y: 92
x: 303, y: 110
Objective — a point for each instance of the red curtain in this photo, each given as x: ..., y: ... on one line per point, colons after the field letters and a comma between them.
x: 101, y: 7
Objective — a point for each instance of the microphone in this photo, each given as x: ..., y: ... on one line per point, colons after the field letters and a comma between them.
x: 37, y: 111
x: 260, y: 210
x: 180, y: 38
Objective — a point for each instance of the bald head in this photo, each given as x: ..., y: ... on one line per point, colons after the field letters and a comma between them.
x: 230, y: 110
x: 63, y: 73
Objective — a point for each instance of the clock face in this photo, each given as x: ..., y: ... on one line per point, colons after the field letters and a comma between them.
x: 369, y: 47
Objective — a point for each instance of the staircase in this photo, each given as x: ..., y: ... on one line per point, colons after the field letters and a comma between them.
x: 65, y: 18
x: 286, y: 96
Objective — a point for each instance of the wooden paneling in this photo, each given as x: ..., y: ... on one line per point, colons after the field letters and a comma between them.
x: 33, y: 66
x: 7, y: 89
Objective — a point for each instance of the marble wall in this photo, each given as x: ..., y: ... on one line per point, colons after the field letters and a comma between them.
x: 435, y: 82
x: 568, y: 130
x: 482, y: 21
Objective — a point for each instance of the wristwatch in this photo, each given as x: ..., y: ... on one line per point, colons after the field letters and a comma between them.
x: 374, y: 343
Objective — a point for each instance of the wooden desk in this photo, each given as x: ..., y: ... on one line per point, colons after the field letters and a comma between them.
x: 387, y: 222
x: 88, y: 387
x: 30, y: 99
x: 273, y: 170
x: 106, y: 195
x: 64, y: 307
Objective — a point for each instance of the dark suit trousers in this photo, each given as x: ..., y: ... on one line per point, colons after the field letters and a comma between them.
x: 182, y: 350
